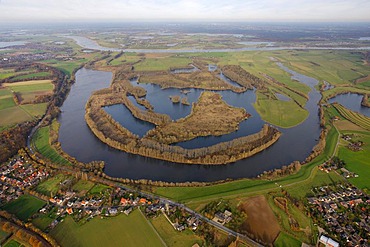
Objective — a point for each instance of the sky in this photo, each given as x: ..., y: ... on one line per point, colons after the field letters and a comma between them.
x: 184, y: 10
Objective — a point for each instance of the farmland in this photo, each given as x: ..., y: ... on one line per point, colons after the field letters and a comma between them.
x: 354, y: 117
x: 133, y: 230
x: 12, y: 112
x: 173, y: 237
x: 357, y: 162
x: 24, y: 207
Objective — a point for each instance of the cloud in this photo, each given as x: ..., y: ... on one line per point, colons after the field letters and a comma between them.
x: 334, y: 10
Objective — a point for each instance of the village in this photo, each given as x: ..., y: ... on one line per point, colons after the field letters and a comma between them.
x: 343, y: 212
x: 21, y: 177
x: 17, y: 176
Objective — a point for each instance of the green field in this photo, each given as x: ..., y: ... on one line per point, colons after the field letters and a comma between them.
x: 52, y: 185
x: 358, y: 162
x: 3, y: 235
x: 30, y: 76
x: 285, y: 240
x: 5, y: 73
x: 13, y: 243
x: 6, y: 99
x: 10, y: 113
x: 31, y: 86
x: 42, y: 222
x: 29, y: 90
x: 125, y: 58
x: 41, y: 141
x: 335, y: 67
x: 171, y: 236
x: 82, y: 185
x: 98, y: 189
x: 35, y: 109
x: 24, y: 207
x: 122, y: 230
x: 165, y: 63
x: 285, y: 114
x: 66, y: 66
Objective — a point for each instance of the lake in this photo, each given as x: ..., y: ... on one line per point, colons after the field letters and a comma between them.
x: 76, y: 138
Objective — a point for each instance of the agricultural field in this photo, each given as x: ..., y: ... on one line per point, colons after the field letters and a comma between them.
x: 336, y: 67
x: 13, y: 243
x: 29, y: 90
x: 162, y: 63
x: 11, y: 113
x: 98, y: 189
x: 82, y: 186
x: 171, y: 236
x: 285, y: 240
x: 261, y: 221
x: 132, y: 230
x: 354, y: 117
x: 6, y: 99
x: 31, y: 76
x: 357, y: 161
x: 24, y: 207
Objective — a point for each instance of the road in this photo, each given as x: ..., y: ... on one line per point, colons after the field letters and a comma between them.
x: 249, y: 241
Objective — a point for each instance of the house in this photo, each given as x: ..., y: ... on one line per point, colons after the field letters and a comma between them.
x: 328, y: 242
x: 124, y: 201
x: 69, y: 210
x: 128, y: 211
x: 113, y: 211
x: 142, y: 201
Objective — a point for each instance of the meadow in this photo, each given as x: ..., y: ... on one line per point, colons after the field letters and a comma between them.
x: 171, y: 236
x: 11, y: 113
x: 51, y: 186
x: 24, y: 207
x: 278, y: 112
x: 132, y: 230
x: 357, y: 162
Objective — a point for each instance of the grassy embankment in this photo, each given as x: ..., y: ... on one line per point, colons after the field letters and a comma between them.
x: 41, y: 141
x: 132, y: 230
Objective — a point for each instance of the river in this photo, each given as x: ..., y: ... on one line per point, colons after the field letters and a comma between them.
x: 93, y: 45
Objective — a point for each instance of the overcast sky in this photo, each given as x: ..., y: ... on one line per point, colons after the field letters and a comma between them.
x: 223, y: 10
